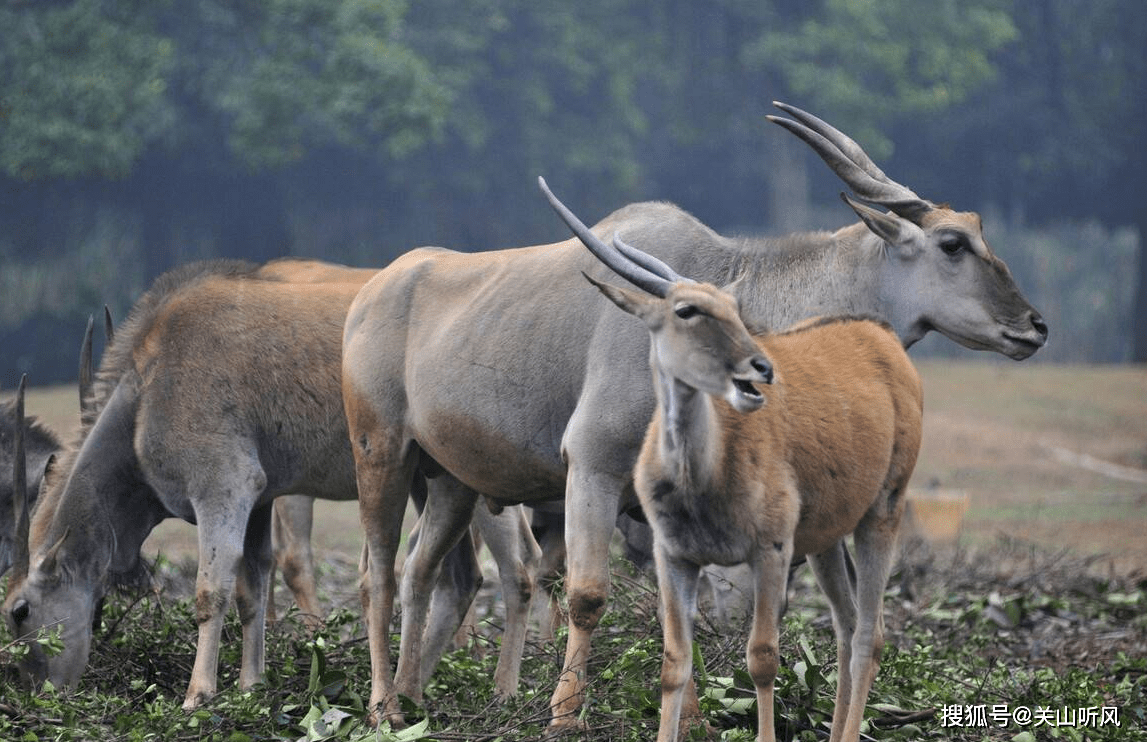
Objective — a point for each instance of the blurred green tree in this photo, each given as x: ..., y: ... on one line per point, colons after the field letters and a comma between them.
x: 288, y: 76
x: 83, y: 88
x: 1060, y: 133
x: 870, y: 62
x: 151, y: 133
x: 87, y: 87
x: 539, y: 87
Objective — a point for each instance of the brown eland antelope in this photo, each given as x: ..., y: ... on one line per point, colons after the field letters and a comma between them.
x: 501, y: 369
x: 219, y: 392
x: 292, y: 517
x: 291, y: 535
x: 827, y: 453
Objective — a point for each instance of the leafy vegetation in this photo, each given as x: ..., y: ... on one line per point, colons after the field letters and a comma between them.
x: 968, y: 635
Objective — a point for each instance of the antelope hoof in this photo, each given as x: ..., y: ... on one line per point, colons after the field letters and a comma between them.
x: 196, y: 698
x: 378, y: 714
x: 505, y: 695
x: 562, y: 725
x: 691, y: 716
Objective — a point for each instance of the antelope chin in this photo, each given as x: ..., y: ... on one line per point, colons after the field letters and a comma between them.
x: 1021, y: 346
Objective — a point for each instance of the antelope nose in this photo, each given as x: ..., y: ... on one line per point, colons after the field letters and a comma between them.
x: 764, y: 368
x: 20, y: 611
x: 1039, y: 325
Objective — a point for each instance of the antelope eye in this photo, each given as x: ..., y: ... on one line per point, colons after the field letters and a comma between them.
x: 685, y: 311
x: 953, y: 244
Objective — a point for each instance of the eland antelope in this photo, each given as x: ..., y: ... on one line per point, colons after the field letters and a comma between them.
x: 219, y: 393
x: 827, y: 452
x: 501, y: 369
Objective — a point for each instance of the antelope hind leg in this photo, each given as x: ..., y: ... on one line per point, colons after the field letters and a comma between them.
x: 832, y: 574
x: 444, y: 522
x: 518, y: 557
x: 450, y: 603
x: 251, y: 595
x: 292, y: 524
x: 383, y: 492
x: 875, y: 540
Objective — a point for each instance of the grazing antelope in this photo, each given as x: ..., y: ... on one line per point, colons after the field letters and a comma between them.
x: 293, y: 515
x: 498, y: 367
x: 219, y: 393
x: 827, y: 452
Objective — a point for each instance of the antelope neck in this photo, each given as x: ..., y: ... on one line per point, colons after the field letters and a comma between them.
x: 688, y: 435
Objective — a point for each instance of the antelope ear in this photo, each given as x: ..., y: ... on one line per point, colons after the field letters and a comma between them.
x: 633, y: 302
x: 894, y: 230
x: 46, y: 472
x: 732, y: 286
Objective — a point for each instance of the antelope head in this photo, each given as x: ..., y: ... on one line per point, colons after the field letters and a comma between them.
x: 940, y: 273
x: 17, y: 607
x: 51, y: 583
x: 698, y: 338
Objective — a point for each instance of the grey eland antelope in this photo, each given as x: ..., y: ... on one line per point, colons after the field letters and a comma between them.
x: 501, y: 369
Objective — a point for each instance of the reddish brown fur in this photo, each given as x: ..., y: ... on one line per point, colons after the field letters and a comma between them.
x: 829, y: 454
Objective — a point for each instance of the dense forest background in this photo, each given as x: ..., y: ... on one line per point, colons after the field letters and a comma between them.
x: 136, y: 135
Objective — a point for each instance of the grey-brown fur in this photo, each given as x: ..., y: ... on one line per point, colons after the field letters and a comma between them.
x: 219, y: 392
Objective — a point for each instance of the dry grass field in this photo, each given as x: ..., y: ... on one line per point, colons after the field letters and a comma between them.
x: 1047, y: 454
x: 1055, y: 455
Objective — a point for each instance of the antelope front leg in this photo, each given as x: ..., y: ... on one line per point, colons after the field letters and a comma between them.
x: 220, y: 557
x: 771, y: 571
x: 677, y: 583
x: 588, y: 528
x: 546, y: 610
